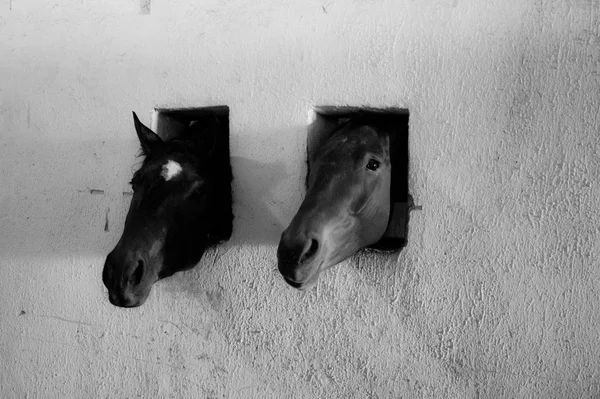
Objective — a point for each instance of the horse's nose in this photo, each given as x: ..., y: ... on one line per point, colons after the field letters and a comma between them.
x: 124, y: 269
x: 122, y: 275
x: 109, y: 271
x: 297, y: 251
x: 293, y: 254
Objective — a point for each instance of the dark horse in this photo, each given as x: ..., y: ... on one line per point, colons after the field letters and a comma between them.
x: 347, y: 204
x: 173, y: 213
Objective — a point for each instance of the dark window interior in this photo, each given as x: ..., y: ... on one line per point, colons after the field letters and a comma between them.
x: 171, y: 122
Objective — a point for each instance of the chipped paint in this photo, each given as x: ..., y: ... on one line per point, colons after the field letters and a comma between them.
x: 145, y: 7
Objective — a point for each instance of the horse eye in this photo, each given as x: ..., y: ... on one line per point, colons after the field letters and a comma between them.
x: 373, y: 164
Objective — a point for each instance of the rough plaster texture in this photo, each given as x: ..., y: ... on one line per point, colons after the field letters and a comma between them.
x: 497, y: 293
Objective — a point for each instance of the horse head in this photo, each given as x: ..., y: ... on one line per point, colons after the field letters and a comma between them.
x: 347, y: 204
x: 169, y: 221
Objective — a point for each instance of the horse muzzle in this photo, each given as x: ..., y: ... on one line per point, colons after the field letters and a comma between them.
x: 127, y: 280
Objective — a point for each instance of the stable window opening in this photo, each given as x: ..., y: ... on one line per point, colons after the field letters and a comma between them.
x: 324, y: 120
x: 170, y: 123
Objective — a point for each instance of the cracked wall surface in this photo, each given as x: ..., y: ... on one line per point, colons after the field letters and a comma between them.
x: 496, y: 295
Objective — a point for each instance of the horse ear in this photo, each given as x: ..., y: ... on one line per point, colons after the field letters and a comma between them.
x: 148, y: 139
x: 204, y: 133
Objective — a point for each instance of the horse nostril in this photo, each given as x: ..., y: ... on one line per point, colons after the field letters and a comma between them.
x: 138, y: 273
x: 309, y: 253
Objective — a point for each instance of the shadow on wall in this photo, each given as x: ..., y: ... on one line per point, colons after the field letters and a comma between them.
x: 64, y: 196
x: 72, y: 197
x: 254, y: 202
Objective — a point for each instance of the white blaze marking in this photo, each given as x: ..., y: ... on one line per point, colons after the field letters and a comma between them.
x: 170, y: 170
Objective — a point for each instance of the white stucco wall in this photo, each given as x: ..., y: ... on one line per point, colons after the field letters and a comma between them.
x: 497, y: 293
